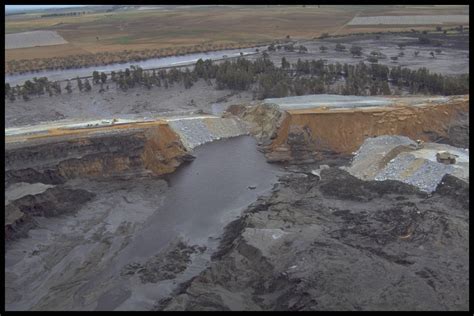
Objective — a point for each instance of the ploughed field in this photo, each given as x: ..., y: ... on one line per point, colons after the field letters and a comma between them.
x: 33, y: 39
x: 186, y: 29
x: 410, y: 20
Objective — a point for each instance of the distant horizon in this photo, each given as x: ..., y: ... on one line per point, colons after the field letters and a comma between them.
x: 17, y: 8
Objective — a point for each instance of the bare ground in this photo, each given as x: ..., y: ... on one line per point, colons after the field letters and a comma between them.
x: 33, y: 39
x: 454, y: 58
x: 136, y: 101
x: 340, y: 243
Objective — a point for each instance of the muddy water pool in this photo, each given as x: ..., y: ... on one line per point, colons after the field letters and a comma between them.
x: 77, y: 261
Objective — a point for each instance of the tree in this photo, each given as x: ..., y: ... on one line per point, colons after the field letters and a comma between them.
x: 374, y: 89
x: 289, y: 48
x: 187, y: 80
x: 284, y: 63
x: 424, y: 40
x: 103, y: 77
x: 7, y: 89
x: 340, y: 47
x: 302, y: 49
x: 372, y: 59
x: 95, y: 77
x: 323, y: 48
x: 356, y: 50
x: 57, y: 87
x: 271, y: 48
x: 24, y: 94
x: 432, y: 55
x: 385, y: 88
x: 68, y: 87
x: 79, y: 84
x: 87, y: 85
x: 29, y: 87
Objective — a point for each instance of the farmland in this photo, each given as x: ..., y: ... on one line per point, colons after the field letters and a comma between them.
x: 185, y: 29
x: 33, y: 39
x: 410, y: 20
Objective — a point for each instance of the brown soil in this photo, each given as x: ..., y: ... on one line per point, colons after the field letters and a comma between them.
x: 43, y: 52
x: 353, y: 126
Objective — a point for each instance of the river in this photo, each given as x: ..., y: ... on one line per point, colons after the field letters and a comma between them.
x: 189, y: 59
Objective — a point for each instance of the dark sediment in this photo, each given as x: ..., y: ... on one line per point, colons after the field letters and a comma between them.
x: 53, y: 202
x: 340, y: 243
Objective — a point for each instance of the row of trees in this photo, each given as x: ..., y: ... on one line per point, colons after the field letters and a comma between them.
x: 75, y: 13
x: 312, y: 77
x: 356, y: 50
x: 265, y: 79
x: 38, y: 86
x: 106, y: 58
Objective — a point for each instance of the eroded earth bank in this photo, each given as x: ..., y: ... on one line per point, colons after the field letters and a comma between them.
x: 358, y: 211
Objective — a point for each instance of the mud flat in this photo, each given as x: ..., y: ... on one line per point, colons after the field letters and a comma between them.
x: 454, y: 58
x: 176, y: 100
x: 32, y: 39
x: 340, y: 243
x: 136, y: 239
